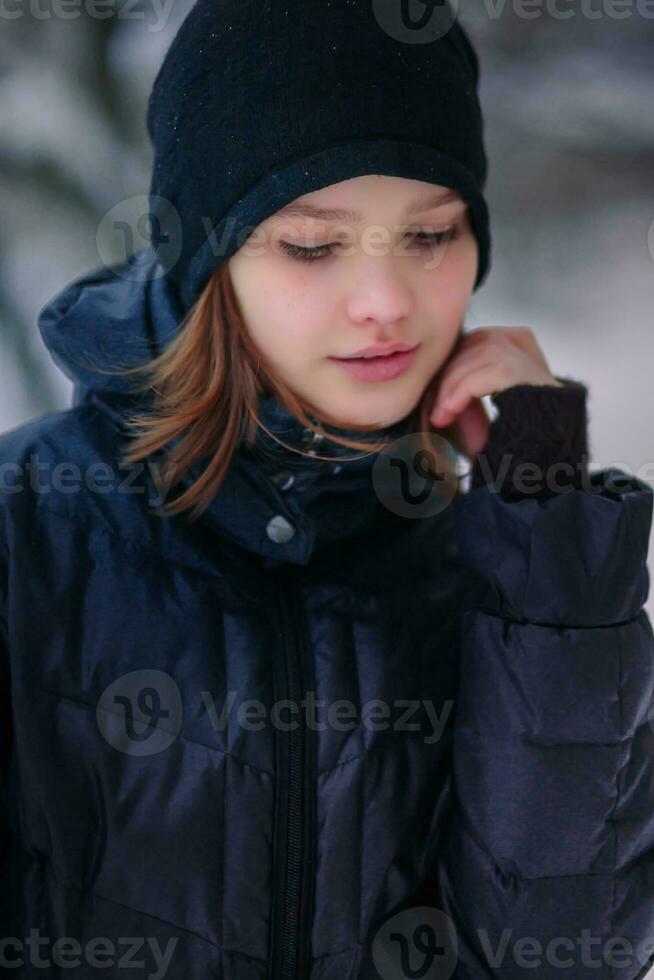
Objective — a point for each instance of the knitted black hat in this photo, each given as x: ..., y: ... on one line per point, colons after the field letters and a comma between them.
x: 260, y: 101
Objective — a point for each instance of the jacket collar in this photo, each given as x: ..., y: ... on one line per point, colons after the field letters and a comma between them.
x: 285, y: 506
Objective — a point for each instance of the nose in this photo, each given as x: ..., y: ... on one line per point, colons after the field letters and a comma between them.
x: 380, y: 296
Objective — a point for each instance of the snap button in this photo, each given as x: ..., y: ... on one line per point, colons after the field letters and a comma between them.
x: 283, y: 480
x: 311, y: 438
x: 279, y: 529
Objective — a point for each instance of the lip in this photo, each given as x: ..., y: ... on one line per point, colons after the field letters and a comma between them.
x: 383, y: 368
x: 382, y: 349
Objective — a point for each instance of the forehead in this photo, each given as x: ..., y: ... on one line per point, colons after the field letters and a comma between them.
x: 348, y: 203
x: 303, y: 208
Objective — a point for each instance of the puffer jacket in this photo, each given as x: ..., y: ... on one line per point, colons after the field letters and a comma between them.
x: 306, y: 737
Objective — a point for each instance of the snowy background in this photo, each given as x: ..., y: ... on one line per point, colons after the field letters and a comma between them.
x: 570, y: 134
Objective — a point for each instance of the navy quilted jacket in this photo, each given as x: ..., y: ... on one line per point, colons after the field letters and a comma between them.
x: 306, y: 738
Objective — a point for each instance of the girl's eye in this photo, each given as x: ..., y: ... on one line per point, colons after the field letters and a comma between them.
x: 306, y: 254
x: 425, y: 240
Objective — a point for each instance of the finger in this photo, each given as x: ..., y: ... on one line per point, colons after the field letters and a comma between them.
x: 465, y: 353
x: 473, y: 345
x: 522, y: 337
x: 470, y: 430
x: 486, y: 346
x: 486, y: 380
x: 466, y: 364
x: 463, y: 362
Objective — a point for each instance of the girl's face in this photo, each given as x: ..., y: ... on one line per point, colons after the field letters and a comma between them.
x: 399, y: 267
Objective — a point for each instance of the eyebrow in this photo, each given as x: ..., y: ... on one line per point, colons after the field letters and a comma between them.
x: 417, y: 206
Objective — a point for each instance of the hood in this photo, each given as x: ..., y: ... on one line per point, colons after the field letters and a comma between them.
x: 112, y: 317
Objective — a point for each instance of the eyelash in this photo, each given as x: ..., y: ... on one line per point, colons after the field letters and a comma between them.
x: 428, y: 240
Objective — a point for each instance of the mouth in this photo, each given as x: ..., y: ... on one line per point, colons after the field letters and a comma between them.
x: 380, y: 367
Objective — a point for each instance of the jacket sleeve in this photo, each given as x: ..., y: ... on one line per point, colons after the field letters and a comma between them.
x: 547, y: 865
x: 538, y: 442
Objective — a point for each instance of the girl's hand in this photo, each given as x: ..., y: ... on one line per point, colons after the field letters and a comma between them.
x: 484, y: 362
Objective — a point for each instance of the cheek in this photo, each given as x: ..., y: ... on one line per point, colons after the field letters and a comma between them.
x: 287, y: 324
x: 467, y: 263
x: 446, y: 297
x: 300, y: 306
x: 451, y: 287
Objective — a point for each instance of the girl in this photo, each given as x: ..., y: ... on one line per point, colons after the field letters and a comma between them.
x: 322, y: 715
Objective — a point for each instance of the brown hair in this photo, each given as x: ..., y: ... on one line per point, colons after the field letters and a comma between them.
x: 206, y: 384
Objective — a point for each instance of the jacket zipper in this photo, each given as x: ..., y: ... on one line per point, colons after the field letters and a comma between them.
x: 294, y: 833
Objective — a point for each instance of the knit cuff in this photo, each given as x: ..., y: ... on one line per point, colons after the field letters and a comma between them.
x: 538, y: 443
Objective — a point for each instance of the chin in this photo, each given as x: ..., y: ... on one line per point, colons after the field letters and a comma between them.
x: 375, y: 412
